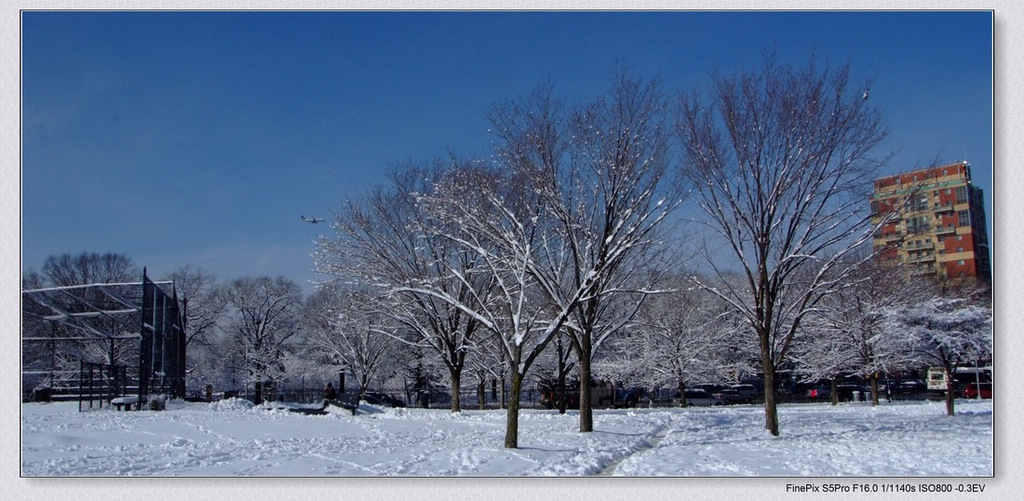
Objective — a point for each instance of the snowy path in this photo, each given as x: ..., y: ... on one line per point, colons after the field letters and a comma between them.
x: 656, y: 437
x: 234, y: 440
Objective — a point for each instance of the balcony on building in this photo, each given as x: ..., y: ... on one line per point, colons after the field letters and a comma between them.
x: 888, y: 237
x: 926, y: 245
x: 923, y: 258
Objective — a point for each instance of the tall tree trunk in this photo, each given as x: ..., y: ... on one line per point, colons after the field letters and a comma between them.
x: 682, y: 393
x: 771, y: 412
x: 512, y: 416
x: 560, y: 389
x: 364, y: 383
x: 586, y: 406
x: 563, y: 371
x: 456, y: 378
x: 481, y: 393
x: 950, y: 390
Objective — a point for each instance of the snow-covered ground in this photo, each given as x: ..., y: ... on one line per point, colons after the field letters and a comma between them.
x: 232, y: 438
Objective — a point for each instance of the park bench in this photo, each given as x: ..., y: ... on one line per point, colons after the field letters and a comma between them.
x: 306, y: 408
x: 125, y: 402
x: 348, y: 401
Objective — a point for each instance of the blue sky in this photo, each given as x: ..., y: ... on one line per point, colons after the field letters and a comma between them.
x: 200, y: 137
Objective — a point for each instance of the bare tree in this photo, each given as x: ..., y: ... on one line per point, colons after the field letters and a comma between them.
x: 489, y: 363
x: 90, y: 268
x: 599, y: 171
x: 203, y: 302
x: 555, y: 368
x: 388, y: 242
x: 680, y: 336
x: 780, y: 161
x: 203, y: 306
x: 496, y: 217
x: 351, y: 333
x: 32, y: 280
x: 264, y: 314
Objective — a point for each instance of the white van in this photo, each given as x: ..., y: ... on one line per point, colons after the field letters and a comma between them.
x: 961, y: 375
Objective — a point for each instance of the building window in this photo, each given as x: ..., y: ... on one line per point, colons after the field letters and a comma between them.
x: 960, y: 262
x: 961, y: 194
x: 917, y: 224
x: 964, y: 218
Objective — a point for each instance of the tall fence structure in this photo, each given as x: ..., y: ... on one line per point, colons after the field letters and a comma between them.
x: 137, y: 325
x: 162, y: 350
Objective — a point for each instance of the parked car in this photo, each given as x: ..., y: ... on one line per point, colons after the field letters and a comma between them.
x: 710, y: 388
x: 702, y: 398
x: 911, y: 386
x: 731, y: 396
x: 748, y: 391
x: 383, y: 400
x: 972, y: 390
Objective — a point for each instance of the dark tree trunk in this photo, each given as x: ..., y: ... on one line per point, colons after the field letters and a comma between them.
x: 456, y: 378
x: 771, y: 412
x: 563, y: 371
x: 512, y: 416
x: 950, y: 391
x: 586, y: 406
x: 560, y: 391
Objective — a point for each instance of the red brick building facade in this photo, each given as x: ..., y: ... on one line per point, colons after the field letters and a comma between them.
x: 940, y: 225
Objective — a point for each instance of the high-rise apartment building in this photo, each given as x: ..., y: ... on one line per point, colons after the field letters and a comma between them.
x: 939, y: 228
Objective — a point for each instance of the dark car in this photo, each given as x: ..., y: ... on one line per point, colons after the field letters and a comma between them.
x: 911, y: 386
x: 731, y: 396
x: 702, y: 397
x: 972, y: 390
x: 383, y: 400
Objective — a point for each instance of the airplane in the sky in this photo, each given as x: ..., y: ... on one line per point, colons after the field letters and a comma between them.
x: 312, y: 220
